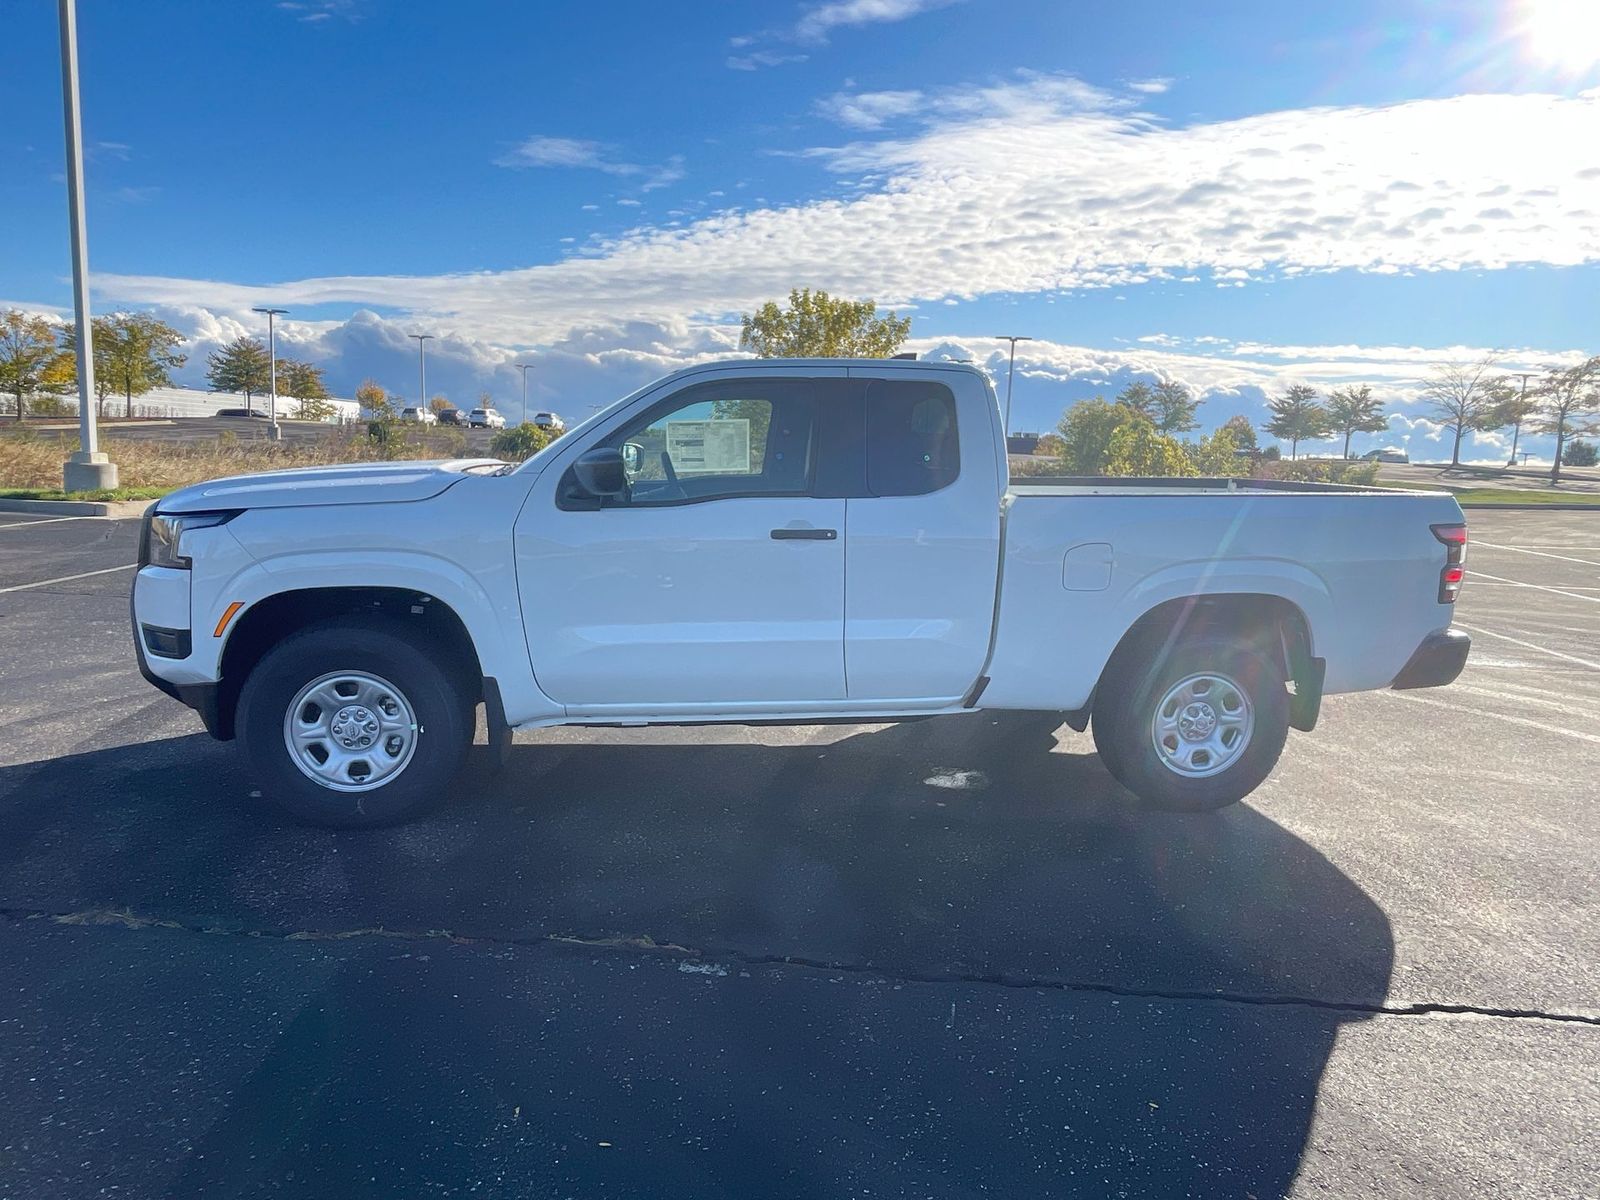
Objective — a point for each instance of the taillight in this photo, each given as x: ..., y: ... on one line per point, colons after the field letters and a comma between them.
x: 1454, y: 538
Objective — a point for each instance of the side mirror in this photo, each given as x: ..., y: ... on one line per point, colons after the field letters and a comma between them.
x: 601, y: 472
x: 632, y: 456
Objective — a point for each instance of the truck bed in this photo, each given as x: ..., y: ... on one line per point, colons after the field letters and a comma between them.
x: 1360, y: 564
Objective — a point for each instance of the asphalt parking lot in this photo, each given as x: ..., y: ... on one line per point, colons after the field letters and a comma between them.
x: 935, y: 959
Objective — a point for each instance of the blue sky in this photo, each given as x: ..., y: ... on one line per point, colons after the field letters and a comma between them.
x: 1238, y: 198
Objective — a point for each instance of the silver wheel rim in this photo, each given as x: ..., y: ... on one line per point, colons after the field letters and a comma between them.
x: 350, y: 731
x: 1202, y: 725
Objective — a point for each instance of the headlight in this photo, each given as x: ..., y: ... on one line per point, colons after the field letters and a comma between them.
x: 165, y: 536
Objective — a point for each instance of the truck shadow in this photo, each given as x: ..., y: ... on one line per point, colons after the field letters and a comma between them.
x: 934, y: 861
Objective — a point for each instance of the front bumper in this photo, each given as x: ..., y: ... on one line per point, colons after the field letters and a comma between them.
x: 204, y: 698
x: 1436, y: 662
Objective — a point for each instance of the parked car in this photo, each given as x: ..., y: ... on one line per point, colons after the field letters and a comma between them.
x: 486, y: 418
x: 254, y: 413
x: 1390, y: 455
x: 336, y: 619
x: 550, y: 421
x: 452, y: 416
x: 419, y: 416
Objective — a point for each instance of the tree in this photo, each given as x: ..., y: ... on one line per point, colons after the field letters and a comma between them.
x: 240, y: 366
x: 1218, y: 455
x: 1087, y: 429
x: 1175, y: 408
x: 815, y: 325
x: 105, y: 332
x: 1569, y: 406
x: 1138, y: 449
x: 133, y: 353
x: 1580, y: 454
x: 1296, y: 416
x: 376, y: 404
x: 1515, y: 409
x: 439, y: 404
x: 304, y: 382
x: 517, y: 442
x: 31, y: 359
x: 1244, y: 433
x: 1354, y: 410
x: 1462, y: 396
x: 1140, y: 397
x: 1050, y: 445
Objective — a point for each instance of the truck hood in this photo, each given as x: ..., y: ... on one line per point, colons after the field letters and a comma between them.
x: 356, y: 483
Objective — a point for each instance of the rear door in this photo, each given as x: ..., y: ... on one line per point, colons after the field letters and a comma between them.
x: 922, y: 538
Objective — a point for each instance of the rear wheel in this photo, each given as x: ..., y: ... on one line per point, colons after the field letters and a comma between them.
x: 1194, y: 729
x: 351, y: 724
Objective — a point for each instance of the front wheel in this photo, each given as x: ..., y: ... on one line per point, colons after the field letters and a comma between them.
x: 352, y: 725
x: 1196, y: 728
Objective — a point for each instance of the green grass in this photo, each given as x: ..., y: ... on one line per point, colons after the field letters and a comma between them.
x: 1528, y: 496
x: 127, y: 493
x: 1491, y: 495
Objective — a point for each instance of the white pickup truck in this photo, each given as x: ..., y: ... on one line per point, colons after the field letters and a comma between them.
x: 793, y: 541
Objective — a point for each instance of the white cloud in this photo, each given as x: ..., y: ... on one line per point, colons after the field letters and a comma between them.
x: 1150, y: 87
x: 757, y: 59
x: 819, y: 21
x: 1042, y: 184
x: 869, y: 110
x: 543, y: 151
x: 595, y: 366
x: 1238, y: 380
x: 313, y: 12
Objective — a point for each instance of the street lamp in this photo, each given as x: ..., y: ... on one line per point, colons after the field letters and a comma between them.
x: 524, y: 368
x: 1010, y: 370
x: 422, y: 367
x: 88, y: 469
x: 1516, y: 432
x: 274, y: 433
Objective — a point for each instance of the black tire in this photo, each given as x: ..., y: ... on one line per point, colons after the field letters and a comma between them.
x: 443, y: 712
x: 1125, y: 712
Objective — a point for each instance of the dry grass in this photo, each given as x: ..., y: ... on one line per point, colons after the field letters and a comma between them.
x: 33, y: 460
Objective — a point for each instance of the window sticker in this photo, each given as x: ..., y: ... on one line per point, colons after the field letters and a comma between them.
x: 715, y: 447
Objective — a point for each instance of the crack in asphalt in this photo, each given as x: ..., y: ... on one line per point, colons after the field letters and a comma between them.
x: 644, y: 944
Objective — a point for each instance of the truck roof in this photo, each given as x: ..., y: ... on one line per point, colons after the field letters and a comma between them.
x: 877, y: 366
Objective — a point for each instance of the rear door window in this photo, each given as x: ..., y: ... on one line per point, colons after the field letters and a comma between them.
x: 912, y: 443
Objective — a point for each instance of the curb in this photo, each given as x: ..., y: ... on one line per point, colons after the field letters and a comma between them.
x: 115, y: 509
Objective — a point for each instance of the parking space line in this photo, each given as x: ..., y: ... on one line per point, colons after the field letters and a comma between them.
x: 1521, y: 696
x: 1479, y: 581
x: 1588, y: 562
x: 46, y: 521
x: 1505, y: 717
x: 1582, y: 662
x: 22, y: 587
x: 1538, y: 587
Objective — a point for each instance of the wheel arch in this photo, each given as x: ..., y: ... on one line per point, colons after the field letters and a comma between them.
x: 266, y: 622
x: 1272, y: 623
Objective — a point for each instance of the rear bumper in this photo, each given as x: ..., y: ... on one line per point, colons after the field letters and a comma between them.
x: 1436, y: 662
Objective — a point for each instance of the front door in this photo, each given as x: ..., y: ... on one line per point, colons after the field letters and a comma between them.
x: 715, y: 582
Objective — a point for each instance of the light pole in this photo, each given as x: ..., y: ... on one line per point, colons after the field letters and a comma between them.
x: 88, y: 469
x: 1516, y: 430
x: 524, y: 368
x: 422, y: 367
x: 1010, y: 371
x: 273, y: 432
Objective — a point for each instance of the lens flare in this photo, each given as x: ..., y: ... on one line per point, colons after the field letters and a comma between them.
x: 1564, y: 34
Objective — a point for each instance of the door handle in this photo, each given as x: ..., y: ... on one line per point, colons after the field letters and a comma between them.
x: 806, y: 535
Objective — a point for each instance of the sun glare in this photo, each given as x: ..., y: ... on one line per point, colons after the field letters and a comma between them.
x: 1562, y: 33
